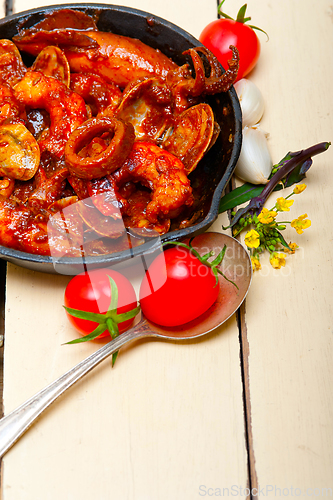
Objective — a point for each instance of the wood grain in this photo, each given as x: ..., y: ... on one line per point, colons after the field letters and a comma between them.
x: 289, y: 311
x: 234, y: 411
x: 166, y: 421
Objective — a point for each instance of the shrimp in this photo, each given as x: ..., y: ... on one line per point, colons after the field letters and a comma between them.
x: 110, y: 127
x: 163, y: 174
x: 10, y: 107
x: 67, y: 109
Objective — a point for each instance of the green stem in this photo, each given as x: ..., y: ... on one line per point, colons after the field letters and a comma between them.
x: 114, y: 295
x: 240, y: 17
x: 91, y: 336
x: 114, y: 332
x: 108, y: 321
x: 120, y: 318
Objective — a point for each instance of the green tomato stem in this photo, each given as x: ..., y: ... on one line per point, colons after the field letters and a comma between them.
x: 120, y: 318
x: 114, y: 295
x: 240, y: 17
x: 90, y: 316
x: 91, y: 336
x: 204, y: 258
x: 114, y: 332
x: 108, y: 321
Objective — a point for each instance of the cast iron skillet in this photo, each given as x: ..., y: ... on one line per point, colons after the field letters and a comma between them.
x: 209, y: 179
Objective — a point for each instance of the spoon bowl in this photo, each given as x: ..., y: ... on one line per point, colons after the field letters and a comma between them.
x: 236, y: 267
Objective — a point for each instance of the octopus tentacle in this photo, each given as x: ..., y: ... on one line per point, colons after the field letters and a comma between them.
x: 215, y: 67
x: 217, y: 81
x: 181, y: 80
x: 187, y: 89
x: 118, y: 125
x: 99, y: 52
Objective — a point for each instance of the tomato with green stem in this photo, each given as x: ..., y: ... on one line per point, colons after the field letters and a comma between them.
x: 218, y: 35
x: 100, y: 303
x: 180, y: 285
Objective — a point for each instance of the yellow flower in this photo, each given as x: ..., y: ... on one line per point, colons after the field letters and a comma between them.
x: 278, y: 260
x: 293, y: 248
x: 252, y: 239
x: 299, y: 188
x: 301, y: 223
x: 255, y: 263
x: 266, y: 216
x: 283, y: 204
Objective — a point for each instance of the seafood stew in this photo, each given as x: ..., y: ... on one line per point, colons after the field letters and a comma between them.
x: 206, y: 174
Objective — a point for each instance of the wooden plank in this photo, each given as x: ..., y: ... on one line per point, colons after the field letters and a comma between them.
x: 2, y: 10
x: 288, y: 323
x: 166, y: 421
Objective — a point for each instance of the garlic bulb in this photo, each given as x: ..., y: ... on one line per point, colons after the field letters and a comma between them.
x: 251, y: 101
x: 254, y: 163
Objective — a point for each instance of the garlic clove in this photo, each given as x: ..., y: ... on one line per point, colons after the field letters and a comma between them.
x: 254, y: 163
x: 251, y: 101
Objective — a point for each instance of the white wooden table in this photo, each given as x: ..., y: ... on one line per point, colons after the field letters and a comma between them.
x: 247, y: 411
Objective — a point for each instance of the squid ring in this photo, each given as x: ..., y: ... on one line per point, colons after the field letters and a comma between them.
x: 84, y: 162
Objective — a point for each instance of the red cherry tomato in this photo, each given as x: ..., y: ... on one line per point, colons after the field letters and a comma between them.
x: 91, y: 292
x: 222, y: 33
x: 177, y: 288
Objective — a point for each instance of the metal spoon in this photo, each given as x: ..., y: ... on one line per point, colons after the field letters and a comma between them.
x: 236, y: 266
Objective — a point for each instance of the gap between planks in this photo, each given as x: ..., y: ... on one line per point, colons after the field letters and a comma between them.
x: 244, y: 353
x: 244, y: 362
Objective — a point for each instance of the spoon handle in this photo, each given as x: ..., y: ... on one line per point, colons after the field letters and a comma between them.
x: 13, y: 425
